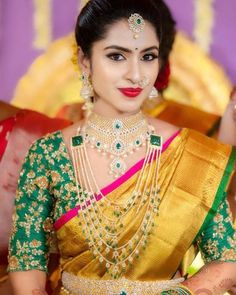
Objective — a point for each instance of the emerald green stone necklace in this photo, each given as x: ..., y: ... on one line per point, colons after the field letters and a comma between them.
x: 116, y: 138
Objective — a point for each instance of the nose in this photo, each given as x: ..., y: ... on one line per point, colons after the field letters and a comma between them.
x: 134, y: 74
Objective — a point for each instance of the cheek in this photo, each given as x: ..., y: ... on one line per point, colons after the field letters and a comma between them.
x: 105, y: 75
x: 153, y: 71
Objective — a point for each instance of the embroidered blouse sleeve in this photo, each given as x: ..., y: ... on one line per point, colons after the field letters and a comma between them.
x: 218, y: 240
x: 32, y: 222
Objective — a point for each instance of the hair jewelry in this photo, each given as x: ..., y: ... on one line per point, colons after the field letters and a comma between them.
x: 136, y: 24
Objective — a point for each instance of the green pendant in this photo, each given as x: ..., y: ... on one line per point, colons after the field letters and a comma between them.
x: 118, y: 146
x: 156, y: 140
x: 77, y: 140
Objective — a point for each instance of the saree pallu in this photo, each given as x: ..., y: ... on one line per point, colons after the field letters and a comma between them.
x: 193, y: 177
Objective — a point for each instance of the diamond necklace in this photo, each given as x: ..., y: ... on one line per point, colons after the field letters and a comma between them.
x: 103, y: 230
x: 116, y: 138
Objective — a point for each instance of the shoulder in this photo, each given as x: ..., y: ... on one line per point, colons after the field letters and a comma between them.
x: 209, y: 155
x: 164, y: 129
x: 205, y: 143
x: 53, y: 143
x: 47, y: 142
x: 47, y: 149
x: 194, y: 141
x: 69, y: 132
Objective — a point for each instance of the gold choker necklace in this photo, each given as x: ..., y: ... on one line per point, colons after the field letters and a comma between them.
x: 102, y: 219
x: 117, y: 138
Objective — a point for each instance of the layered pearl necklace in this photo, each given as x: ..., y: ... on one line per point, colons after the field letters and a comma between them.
x: 103, y: 220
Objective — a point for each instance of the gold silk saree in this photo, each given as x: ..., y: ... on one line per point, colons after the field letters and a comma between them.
x: 194, y: 174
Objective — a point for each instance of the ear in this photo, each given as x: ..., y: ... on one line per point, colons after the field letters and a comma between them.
x: 84, y: 62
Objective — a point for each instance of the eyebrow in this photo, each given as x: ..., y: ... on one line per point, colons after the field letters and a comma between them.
x: 130, y: 51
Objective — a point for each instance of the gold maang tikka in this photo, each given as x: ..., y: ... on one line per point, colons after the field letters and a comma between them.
x: 136, y: 24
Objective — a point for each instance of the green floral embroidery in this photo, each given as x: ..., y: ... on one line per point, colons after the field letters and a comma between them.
x: 218, y: 241
x: 46, y: 191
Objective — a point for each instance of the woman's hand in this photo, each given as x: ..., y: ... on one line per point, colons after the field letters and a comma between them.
x: 233, y: 99
x: 215, y: 278
x: 227, y: 131
x: 31, y: 282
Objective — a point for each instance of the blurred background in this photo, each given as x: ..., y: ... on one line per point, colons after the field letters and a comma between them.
x: 36, y: 48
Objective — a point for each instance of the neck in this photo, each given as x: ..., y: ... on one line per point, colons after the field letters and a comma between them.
x: 106, y: 110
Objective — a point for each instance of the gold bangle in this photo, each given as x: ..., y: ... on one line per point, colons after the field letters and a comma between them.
x: 174, y: 290
x: 187, y: 289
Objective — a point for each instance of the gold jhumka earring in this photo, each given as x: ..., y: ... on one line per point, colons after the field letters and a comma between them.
x: 153, y: 94
x: 86, y: 92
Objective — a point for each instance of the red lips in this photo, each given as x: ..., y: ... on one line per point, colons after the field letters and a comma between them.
x: 131, y: 92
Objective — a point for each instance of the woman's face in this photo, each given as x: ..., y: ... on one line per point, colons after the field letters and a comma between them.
x: 123, y: 70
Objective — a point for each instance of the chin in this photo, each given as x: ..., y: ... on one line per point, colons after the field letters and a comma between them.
x: 129, y: 109
x: 132, y: 106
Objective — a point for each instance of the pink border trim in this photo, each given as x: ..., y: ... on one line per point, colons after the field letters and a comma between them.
x: 109, y: 188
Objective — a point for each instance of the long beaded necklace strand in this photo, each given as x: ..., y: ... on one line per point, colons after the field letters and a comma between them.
x: 116, y: 138
x: 103, y: 231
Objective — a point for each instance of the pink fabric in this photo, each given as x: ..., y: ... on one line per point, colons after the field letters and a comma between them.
x: 6, y: 127
x: 111, y: 187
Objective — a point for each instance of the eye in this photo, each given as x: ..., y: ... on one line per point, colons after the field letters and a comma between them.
x: 116, y: 56
x: 149, y: 57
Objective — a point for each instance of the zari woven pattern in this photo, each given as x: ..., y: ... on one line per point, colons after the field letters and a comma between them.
x: 74, y: 285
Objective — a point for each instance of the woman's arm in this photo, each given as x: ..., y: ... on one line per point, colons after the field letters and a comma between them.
x: 32, y: 225
x: 30, y: 282
x: 217, y: 243
x: 215, y: 278
x: 227, y: 131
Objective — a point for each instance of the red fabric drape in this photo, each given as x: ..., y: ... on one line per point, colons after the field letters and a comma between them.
x: 6, y: 127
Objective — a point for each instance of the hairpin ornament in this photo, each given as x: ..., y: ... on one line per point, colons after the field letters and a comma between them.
x: 136, y: 24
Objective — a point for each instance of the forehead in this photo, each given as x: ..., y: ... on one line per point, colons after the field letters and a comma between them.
x: 120, y: 34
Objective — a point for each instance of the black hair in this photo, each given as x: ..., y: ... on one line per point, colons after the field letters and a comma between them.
x: 98, y: 15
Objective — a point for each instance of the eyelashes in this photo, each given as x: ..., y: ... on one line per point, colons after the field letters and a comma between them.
x: 116, y: 56
x: 149, y: 57
x: 121, y: 57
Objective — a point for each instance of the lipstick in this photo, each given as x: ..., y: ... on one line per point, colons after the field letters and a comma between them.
x: 131, y: 92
